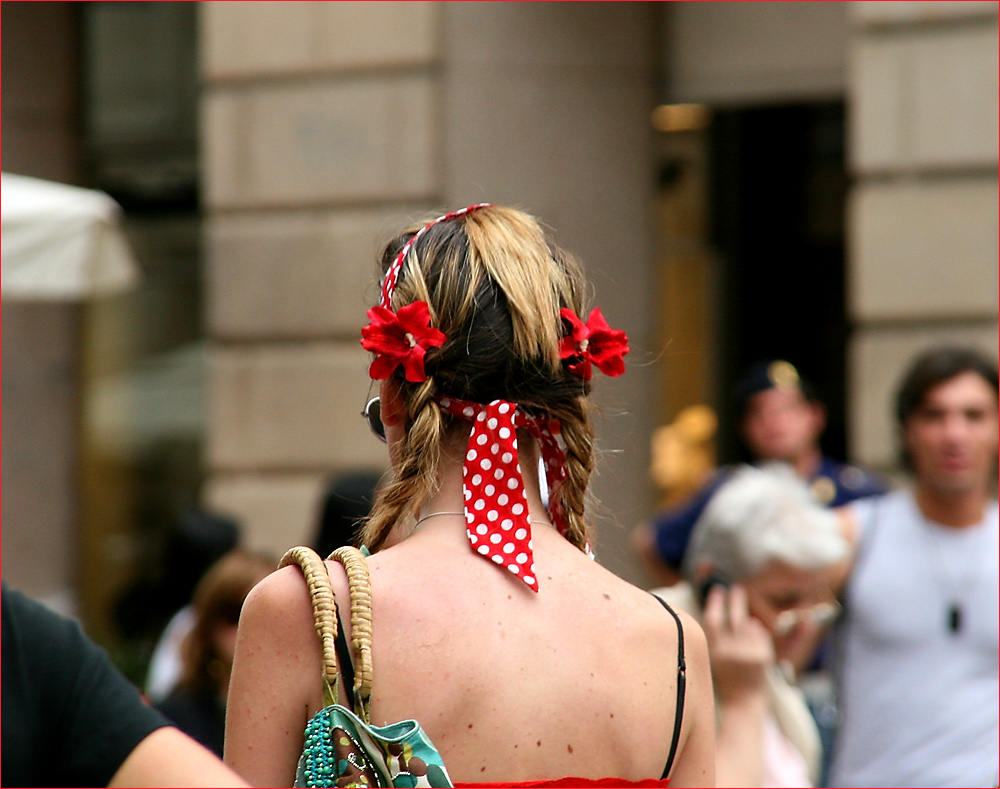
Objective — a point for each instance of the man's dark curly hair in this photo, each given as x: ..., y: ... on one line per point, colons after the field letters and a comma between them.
x: 936, y: 366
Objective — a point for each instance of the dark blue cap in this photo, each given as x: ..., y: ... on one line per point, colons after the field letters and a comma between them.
x: 772, y: 374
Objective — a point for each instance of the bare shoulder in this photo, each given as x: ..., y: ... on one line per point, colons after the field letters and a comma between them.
x: 279, y: 610
x: 695, y: 645
x: 695, y: 762
x: 275, y: 684
x: 277, y: 593
x: 678, y: 600
x: 684, y: 626
x: 285, y: 591
x: 666, y: 625
x: 646, y: 607
x: 668, y: 648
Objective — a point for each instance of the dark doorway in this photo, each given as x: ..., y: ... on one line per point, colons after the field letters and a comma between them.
x: 778, y: 183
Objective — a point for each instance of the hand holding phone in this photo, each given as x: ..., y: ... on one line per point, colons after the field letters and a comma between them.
x: 740, y: 648
x: 714, y: 578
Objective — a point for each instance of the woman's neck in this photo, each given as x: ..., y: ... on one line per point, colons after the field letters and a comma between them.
x: 450, y: 495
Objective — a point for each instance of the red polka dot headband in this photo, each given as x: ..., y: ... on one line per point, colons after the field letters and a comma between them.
x: 402, y: 338
x: 392, y: 275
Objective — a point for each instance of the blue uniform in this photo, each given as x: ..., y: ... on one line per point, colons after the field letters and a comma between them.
x: 833, y: 485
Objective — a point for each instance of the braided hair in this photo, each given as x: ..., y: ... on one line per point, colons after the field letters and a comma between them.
x: 495, y: 285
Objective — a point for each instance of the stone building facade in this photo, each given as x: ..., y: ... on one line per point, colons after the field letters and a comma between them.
x: 922, y: 241
x: 324, y: 126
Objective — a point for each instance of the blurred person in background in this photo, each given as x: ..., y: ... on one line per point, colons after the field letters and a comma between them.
x: 756, y: 575
x: 346, y: 504
x: 197, y: 704
x: 780, y: 419
x: 71, y: 718
x: 917, y: 651
x: 198, y: 541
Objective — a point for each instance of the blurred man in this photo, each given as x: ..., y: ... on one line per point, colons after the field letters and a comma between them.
x: 918, y: 649
x: 71, y: 718
x: 780, y: 420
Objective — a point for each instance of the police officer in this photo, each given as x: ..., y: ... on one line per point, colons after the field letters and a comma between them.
x: 781, y: 420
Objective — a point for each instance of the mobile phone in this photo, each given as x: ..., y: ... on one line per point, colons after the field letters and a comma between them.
x: 715, y: 578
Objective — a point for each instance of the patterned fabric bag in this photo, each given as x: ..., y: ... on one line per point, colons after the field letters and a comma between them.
x: 342, y: 748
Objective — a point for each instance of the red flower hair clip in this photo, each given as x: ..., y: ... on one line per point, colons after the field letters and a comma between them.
x: 593, y: 342
x: 400, y: 338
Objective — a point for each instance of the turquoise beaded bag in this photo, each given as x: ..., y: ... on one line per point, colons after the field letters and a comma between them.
x: 342, y: 748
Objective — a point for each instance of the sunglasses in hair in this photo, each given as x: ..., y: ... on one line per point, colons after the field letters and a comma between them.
x: 373, y: 415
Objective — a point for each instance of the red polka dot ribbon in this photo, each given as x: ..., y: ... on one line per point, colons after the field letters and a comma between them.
x: 392, y: 275
x: 496, y: 507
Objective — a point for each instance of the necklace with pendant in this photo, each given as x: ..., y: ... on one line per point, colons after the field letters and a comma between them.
x: 952, y: 586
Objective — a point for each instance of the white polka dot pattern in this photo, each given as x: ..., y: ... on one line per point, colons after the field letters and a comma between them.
x: 495, y: 503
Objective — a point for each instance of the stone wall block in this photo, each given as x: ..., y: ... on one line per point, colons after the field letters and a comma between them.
x: 42, y: 149
x: 740, y: 52
x: 877, y: 124
x: 598, y: 35
x: 955, y: 86
x: 923, y: 250
x: 878, y: 358
x: 290, y: 407
x: 275, y: 512
x: 298, y: 274
x: 924, y: 99
x: 879, y: 12
x: 222, y: 136
x: 41, y: 445
x: 247, y: 40
x: 356, y: 139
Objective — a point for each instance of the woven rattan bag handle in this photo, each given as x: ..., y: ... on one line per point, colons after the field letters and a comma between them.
x: 324, y: 613
x: 356, y: 567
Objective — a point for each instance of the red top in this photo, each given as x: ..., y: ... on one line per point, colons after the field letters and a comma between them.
x: 571, y: 782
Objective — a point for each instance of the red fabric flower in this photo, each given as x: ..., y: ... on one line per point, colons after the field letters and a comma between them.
x: 592, y: 342
x: 400, y: 338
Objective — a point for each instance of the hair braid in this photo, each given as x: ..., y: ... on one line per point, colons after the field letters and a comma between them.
x: 416, y: 474
x: 578, y: 435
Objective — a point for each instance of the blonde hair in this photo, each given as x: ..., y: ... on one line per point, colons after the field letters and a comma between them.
x: 494, y: 285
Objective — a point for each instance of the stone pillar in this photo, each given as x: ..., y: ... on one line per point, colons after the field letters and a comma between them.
x: 41, y: 340
x: 319, y: 137
x: 547, y: 106
x: 325, y: 126
x: 922, y: 239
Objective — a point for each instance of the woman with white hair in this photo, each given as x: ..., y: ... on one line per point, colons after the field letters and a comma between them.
x: 755, y: 574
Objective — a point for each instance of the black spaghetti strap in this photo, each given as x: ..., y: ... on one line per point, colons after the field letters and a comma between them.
x: 344, y: 659
x: 681, y: 686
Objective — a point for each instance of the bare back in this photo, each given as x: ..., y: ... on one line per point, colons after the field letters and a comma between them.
x: 577, y: 680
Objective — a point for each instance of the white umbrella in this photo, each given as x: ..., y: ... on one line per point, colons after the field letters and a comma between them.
x: 61, y: 243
